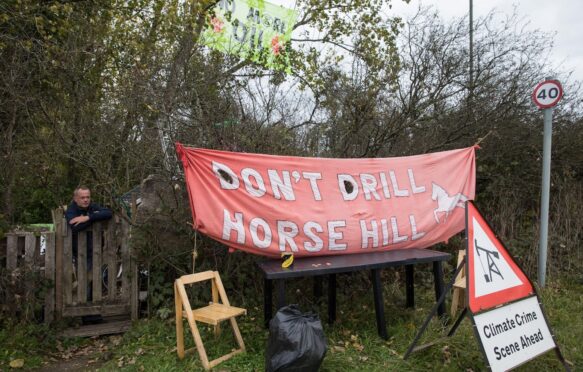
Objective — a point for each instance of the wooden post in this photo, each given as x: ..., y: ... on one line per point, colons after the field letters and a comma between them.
x: 82, y: 267
x: 59, y: 222
x: 50, y: 276
x: 97, y: 275
x: 134, y: 295
x: 11, y: 262
x: 67, y: 269
x: 111, y: 248
x: 125, y: 259
x: 29, y: 246
x: 29, y: 264
x: 11, y: 252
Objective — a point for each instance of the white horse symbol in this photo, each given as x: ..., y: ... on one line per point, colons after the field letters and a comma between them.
x: 446, y: 203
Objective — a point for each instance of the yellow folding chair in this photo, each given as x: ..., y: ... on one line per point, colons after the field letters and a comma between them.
x: 214, y: 314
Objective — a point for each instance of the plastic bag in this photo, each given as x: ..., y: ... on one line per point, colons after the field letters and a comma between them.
x: 296, y: 341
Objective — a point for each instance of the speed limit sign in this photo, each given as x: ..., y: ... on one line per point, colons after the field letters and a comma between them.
x: 547, y: 94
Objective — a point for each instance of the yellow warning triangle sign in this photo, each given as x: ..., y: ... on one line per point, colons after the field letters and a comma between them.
x: 493, y: 277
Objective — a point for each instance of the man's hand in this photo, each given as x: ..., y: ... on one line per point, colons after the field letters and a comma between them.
x: 79, y: 219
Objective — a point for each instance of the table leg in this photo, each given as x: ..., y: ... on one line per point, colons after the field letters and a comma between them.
x: 379, y: 304
x: 280, y: 284
x: 438, y: 280
x: 267, y: 301
x: 331, y: 298
x: 409, y: 285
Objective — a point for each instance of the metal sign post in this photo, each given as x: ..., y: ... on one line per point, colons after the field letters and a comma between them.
x: 546, y: 95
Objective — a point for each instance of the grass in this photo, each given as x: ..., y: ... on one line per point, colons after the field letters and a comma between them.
x: 353, y: 343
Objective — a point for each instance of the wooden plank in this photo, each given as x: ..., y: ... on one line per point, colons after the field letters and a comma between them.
x: 97, y: 249
x: 59, y: 221
x: 134, y: 295
x: 217, y: 361
x: 11, y: 251
x: 111, y: 254
x: 215, y: 297
x: 68, y: 269
x: 216, y: 313
x: 50, y: 276
x: 29, y: 248
x: 179, y: 324
x: 125, y: 259
x: 82, y: 267
x: 107, y: 328
x: 198, y: 277
x: 104, y: 310
x: 458, y: 297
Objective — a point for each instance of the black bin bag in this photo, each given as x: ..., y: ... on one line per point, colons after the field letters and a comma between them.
x: 296, y: 341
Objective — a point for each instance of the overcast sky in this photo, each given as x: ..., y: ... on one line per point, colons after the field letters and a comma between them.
x: 562, y: 17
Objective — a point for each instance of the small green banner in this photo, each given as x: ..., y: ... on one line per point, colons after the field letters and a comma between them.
x: 252, y: 29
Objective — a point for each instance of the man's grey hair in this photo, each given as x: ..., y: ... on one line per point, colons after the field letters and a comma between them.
x: 79, y: 188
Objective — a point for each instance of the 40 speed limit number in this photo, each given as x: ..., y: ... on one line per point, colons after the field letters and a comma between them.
x: 547, y: 94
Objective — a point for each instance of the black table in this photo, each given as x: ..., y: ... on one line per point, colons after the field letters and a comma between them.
x: 332, y: 265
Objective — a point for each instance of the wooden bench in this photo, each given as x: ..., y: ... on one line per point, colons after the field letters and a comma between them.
x: 332, y: 265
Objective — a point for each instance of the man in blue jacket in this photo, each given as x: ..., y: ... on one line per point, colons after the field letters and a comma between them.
x: 80, y: 215
x: 81, y: 212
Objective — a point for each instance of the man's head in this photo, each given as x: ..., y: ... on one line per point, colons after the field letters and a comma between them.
x: 82, y: 196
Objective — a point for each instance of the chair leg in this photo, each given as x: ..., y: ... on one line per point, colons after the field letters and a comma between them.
x: 179, y: 325
x: 237, y: 333
x: 215, y: 295
x: 199, y: 344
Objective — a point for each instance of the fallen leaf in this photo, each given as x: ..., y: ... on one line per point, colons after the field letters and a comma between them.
x: 339, y: 349
x: 446, y: 355
x: 115, y: 340
x: 17, y: 363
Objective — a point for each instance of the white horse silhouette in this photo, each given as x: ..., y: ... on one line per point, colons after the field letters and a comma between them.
x: 446, y: 203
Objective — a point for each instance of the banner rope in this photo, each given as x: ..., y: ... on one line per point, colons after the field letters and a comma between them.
x: 194, y: 252
x: 481, y: 139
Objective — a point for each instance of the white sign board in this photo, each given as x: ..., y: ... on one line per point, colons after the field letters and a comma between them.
x: 547, y: 94
x: 514, y: 333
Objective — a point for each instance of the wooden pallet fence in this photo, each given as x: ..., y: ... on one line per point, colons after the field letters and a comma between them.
x: 25, y: 252
x: 105, y: 284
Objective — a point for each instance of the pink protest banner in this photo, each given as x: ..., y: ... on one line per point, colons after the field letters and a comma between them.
x: 265, y: 204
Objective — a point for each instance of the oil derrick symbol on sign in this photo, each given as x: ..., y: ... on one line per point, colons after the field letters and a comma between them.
x: 493, y: 276
x: 492, y: 268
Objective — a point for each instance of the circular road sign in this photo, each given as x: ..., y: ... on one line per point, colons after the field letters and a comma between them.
x: 547, y: 94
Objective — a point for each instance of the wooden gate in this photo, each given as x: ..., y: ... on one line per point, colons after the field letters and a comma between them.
x: 97, y: 275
